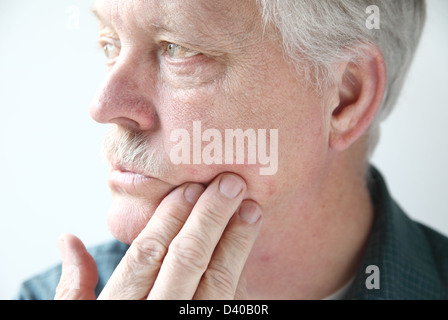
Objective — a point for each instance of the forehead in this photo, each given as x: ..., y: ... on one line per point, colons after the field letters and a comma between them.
x: 214, y: 17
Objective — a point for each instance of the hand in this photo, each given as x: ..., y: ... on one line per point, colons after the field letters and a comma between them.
x: 193, y: 247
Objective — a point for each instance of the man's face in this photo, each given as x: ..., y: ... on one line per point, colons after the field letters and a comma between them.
x: 173, y: 62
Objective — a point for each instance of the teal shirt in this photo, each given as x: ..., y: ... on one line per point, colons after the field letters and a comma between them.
x: 412, y: 258
x: 410, y: 261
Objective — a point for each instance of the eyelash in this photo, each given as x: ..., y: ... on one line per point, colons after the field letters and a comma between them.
x: 169, y: 49
x: 105, y: 44
x: 173, y: 47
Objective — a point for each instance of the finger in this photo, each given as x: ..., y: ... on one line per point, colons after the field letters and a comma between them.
x: 191, y: 250
x: 79, y: 273
x: 223, y: 274
x: 241, y: 289
x: 137, y: 271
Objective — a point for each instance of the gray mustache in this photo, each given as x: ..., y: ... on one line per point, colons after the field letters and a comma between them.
x: 132, y: 149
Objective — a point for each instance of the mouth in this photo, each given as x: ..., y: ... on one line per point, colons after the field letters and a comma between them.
x: 130, y: 180
x: 129, y: 170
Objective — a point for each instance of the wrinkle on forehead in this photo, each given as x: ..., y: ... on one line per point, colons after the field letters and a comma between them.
x: 226, y: 14
x: 204, y: 18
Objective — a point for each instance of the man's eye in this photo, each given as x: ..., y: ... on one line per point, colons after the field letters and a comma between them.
x: 111, y: 51
x: 176, y: 51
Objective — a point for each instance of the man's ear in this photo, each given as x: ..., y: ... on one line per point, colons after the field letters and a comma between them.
x: 361, y: 88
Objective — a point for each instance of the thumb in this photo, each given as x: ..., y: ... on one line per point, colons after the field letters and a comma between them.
x: 79, y: 273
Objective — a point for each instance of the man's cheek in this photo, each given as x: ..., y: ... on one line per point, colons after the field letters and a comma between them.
x: 259, y: 188
x: 221, y: 149
x: 204, y: 174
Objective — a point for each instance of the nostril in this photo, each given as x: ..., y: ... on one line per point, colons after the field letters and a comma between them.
x: 126, y: 123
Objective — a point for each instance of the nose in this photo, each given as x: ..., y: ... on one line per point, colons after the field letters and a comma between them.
x: 125, y: 98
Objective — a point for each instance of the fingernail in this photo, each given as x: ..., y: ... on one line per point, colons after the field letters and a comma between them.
x: 193, y: 192
x: 249, y: 212
x: 230, y: 186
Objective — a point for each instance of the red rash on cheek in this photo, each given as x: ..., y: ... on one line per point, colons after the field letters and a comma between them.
x: 265, y: 258
x: 272, y: 188
x: 193, y: 171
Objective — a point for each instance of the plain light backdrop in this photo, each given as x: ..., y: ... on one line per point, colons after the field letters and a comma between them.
x: 52, y: 175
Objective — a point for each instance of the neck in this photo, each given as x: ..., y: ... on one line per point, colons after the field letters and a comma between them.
x: 315, y: 246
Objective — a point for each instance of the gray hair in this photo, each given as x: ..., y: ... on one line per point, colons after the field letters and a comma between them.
x: 322, y: 32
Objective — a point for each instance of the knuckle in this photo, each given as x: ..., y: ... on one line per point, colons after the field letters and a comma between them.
x: 190, y: 252
x: 220, y: 277
x: 148, y: 250
x: 239, y: 240
x: 214, y: 214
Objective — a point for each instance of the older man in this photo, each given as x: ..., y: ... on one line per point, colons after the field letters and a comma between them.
x: 316, y: 77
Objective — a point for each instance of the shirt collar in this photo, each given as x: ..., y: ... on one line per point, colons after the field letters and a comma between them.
x: 398, y: 247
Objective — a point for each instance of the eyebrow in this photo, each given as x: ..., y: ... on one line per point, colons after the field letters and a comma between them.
x: 163, y: 28
x: 97, y: 14
x: 160, y: 27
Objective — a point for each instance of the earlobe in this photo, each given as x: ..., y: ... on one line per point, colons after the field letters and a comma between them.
x: 361, y: 88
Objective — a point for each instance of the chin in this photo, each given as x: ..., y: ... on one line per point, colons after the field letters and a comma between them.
x: 128, y: 216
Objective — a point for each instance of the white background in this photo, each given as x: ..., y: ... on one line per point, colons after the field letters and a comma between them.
x: 53, y: 178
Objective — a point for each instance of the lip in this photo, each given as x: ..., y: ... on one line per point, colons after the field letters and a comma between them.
x: 128, y: 177
x: 124, y: 180
x: 116, y: 166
